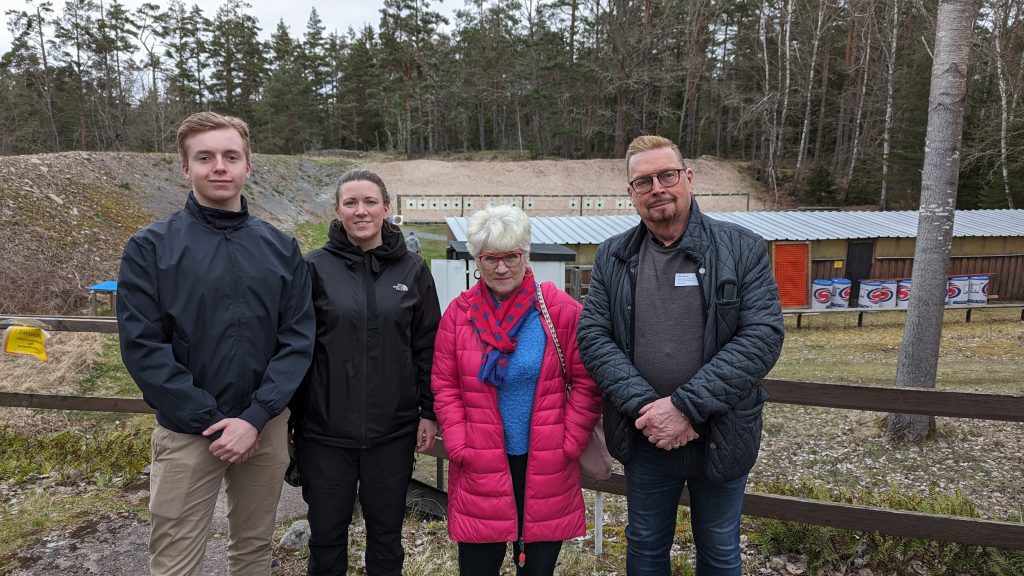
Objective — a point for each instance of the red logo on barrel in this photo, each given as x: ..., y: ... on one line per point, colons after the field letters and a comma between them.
x: 885, y: 294
x: 879, y: 295
x: 903, y: 292
x: 823, y: 295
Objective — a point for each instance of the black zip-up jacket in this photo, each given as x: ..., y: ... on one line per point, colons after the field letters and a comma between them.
x: 376, y: 318
x: 743, y: 333
x: 215, y: 318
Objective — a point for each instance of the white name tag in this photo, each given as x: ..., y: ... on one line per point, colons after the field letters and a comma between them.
x: 687, y: 279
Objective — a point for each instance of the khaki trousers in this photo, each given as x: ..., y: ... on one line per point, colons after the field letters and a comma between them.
x: 184, y: 484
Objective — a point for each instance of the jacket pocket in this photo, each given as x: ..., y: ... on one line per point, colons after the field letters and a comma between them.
x: 734, y: 443
x: 727, y: 310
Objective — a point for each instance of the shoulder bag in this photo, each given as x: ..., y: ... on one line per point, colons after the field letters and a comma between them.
x: 595, y: 462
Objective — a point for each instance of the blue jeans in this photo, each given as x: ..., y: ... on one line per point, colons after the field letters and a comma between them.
x: 654, y: 484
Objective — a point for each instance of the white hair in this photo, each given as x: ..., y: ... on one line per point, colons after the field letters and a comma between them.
x: 498, y: 229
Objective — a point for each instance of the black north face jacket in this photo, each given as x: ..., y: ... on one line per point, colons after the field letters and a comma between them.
x: 214, y: 316
x: 743, y: 335
x: 376, y: 317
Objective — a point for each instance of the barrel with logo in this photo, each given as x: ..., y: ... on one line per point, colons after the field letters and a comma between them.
x: 978, y: 294
x: 821, y: 294
x: 958, y: 290
x: 840, y: 293
x: 887, y: 294
x: 903, y: 293
x: 869, y: 293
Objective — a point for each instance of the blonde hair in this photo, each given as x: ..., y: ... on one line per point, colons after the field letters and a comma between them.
x: 206, y: 121
x: 500, y: 229
x: 650, y: 142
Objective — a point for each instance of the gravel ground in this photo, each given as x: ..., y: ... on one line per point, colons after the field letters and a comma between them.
x: 116, y: 545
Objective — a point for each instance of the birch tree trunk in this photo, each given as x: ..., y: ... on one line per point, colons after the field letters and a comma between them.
x: 824, y: 99
x: 801, y: 152
x: 770, y: 103
x: 855, y: 148
x: 786, y: 52
x: 919, y: 351
x: 1003, y: 108
x: 891, y: 75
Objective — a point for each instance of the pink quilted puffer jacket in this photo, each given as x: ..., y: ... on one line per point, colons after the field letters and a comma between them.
x: 481, y: 507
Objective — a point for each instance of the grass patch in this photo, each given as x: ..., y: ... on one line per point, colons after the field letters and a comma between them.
x: 310, y: 235
x: 110, y: 454
x: 108, y: 376
x: 831, y: 548
x: 981, y: 356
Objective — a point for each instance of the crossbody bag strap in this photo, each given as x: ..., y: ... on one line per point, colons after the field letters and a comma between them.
x: 554, y: 338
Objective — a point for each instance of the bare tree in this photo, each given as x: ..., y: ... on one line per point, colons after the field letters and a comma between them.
x: 889, y: 81
x: 769, y: 106
x: 919, y: 351
x: 855, y: 149
x: 805, y: 131
x: 32, y: 26
x: 999, y: 18
x: 785, y: 50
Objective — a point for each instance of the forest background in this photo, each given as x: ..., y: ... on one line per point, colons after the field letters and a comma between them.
x: 826, y: 99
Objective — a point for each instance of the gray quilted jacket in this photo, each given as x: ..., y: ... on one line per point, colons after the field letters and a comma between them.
x: 743, y: 333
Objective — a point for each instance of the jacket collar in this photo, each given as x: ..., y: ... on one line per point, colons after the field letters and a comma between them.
x: 693, y: 242
x: 393, y: 247
x: 216, y: 218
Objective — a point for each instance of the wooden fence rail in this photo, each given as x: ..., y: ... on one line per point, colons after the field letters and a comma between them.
x: 1009, y: 408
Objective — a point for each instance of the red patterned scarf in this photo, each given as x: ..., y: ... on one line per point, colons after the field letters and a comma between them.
x: 497, y: 326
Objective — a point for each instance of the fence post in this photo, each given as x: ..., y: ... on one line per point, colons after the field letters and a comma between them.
x: 598, y: 522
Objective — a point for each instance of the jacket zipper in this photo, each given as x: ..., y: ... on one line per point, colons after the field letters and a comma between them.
x: 236, y: 305
x: 363, y: 345
x: 631, y: 308
x: 521, y: 559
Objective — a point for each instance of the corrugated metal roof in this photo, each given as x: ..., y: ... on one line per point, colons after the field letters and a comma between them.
x: 776, y: 225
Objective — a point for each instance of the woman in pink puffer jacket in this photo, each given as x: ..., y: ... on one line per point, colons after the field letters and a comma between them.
x: 512, y: 434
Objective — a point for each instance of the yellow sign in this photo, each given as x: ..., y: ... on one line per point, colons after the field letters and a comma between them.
x: 837, y: 264
x: 25, y: 340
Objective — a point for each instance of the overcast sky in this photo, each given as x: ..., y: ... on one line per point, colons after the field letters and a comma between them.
x: 336, y: 14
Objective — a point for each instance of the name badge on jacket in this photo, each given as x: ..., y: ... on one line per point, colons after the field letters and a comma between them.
x: 686, y: 279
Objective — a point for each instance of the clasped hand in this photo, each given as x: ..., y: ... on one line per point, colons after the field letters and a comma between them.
x: 238, y: 440
x: 664, y: 425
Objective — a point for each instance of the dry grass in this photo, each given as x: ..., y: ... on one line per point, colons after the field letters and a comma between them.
x: 72, y: 356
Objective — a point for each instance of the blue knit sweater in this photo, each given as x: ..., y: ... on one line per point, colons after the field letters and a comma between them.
x: 515, y: 396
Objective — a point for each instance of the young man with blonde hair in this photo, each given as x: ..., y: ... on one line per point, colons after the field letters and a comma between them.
x: 216, y: 327
x: 681, y: 323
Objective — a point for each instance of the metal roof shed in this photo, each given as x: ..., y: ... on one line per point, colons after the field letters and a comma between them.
x: 826, y: 244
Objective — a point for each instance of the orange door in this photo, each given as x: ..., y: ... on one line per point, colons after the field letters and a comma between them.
x: 791, y: 262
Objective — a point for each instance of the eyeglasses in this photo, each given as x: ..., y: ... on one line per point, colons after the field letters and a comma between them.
x: 644, y: 184
x: 490, y: 261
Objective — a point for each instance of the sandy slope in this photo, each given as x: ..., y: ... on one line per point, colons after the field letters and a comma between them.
x: 438, y: 178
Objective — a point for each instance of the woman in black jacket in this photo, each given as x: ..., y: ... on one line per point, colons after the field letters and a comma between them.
x: 366, y: 403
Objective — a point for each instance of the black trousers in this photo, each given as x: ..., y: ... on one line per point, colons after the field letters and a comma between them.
x: 486, y: 559
x: 331, y: 479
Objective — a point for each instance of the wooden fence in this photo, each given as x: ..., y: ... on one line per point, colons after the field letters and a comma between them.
x: 1008, y: 408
